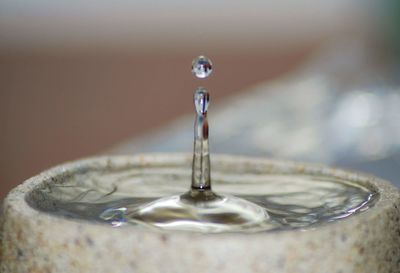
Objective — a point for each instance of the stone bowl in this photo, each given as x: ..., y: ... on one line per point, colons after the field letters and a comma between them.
x: 33, y: 240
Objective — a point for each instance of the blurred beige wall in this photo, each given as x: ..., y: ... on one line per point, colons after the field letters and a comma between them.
x: 175, y: 25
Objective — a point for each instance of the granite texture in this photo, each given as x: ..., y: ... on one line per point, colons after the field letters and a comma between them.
x: 35, y: 241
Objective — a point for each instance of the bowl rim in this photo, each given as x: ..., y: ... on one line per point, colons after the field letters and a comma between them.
x: 16, y: 201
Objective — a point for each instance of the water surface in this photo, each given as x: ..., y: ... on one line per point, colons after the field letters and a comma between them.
x: 291, y: 201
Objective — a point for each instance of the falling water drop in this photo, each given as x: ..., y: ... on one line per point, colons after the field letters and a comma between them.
x: 202, y: 67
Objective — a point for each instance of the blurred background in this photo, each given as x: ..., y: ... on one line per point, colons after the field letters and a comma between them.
x: 302, y: 80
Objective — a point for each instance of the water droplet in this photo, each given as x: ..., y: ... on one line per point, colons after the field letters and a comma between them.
x: 114, y: 216
x: 202, y: 67
x: 201, y: 100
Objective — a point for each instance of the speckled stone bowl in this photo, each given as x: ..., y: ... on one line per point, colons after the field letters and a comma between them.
x: 35, y: 241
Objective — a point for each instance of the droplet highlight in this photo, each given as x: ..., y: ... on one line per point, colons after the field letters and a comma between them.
x: 201, y: 100
x: 202, y: 67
